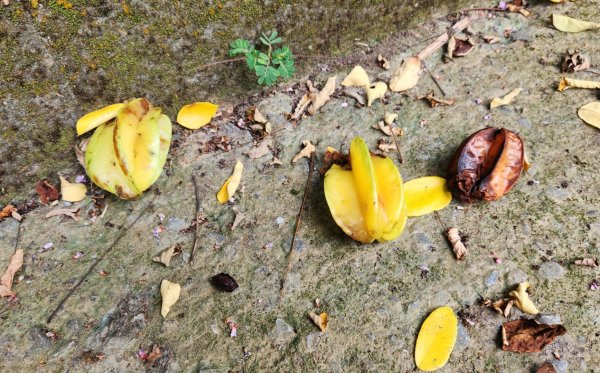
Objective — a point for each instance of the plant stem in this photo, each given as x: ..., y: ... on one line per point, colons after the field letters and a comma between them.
x: 210, y: 64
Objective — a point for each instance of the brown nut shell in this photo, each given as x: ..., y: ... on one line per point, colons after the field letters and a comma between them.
x: 486, y: 165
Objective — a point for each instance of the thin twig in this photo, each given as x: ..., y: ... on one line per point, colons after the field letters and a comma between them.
x: 400, y: 157
x: 311, y: 165
x: 437, y: 215
x: 198, y: 216
x: 210, y: 64
x: 104, y: 254
x: 482, y: 9
x: 433, y: 78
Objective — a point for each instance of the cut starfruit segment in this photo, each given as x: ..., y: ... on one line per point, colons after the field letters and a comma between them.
x: 126, y: 132
x: 146, y: 150
x: 426, y: 195
x: 165, y: 132
x: 366, y: 187
x: 97, y: 117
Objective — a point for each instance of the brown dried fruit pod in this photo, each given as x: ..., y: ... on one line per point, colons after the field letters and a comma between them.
x: 486, y: 165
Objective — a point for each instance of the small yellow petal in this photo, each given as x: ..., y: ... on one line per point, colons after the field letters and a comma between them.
x: 96, y: 118
x: 72, y: 192
x: 196, y: 115
x: 230, y: 186
x: 426, y: 195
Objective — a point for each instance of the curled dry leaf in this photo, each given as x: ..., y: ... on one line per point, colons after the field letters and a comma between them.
x: 388, y: 130
x: 385, y: 146
x: 407, y: 75
x: 9, y: 210
x: 306, y: 151
x: 574, y: 61
x: 316, y: 99
x: 383, y: 62
x: 332, y: 156
x: 360, y: 100
x: 522, y: 300
x: 166, y: 256
x: 196, y: 115
x: 436, y: 339
x: 46, y: 191
x: 319, y: 320
x: 261, y: 149
x: 528, y: 335
x: 457, y: 245
x: 257, y: 117
x: 389, y: 118
x: 506, y: 99
x: 502, y: 305
x: 231, y: 184
x: 425, y: 195
x: 70, y: 212
x: 170, y: 292
x: 434, y: 101
x: 587, y: 262
x: 375, y: 91
x: 16, y: 262
x: 566, y: 83
x: 514, y: 8
x: 568, y: 24
x: 458, y: 47
x: 357, y: 78
x: 72, y: 192
x: 239, y: 216
x: 590, y: 113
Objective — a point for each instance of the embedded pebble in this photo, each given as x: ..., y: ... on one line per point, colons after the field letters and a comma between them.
x: 279, y: 221
x: 462, y: 338
x: 548, y: 318
x: 551, y: 270
x: 560, y: 366
x: 175, y: 224
x: 516, y: 277
x: 492, y: 278
x: 283, y: 330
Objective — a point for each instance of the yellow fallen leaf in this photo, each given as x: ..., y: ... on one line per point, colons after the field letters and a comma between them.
x: 522, y: 300
x: 590, y: 113
x: 566, y: 83
x: 357, y: 78
x: 305, y: 152
x: 506, y: 99
x: 16, y: 262
x: 406, y: 76
x: 228, y: 189
x: 375, y: 91
x: 436, y: 339
x: 170, y: 292
x: 568, y: 24
x: 72, y: 192
x: 319, y: 320
x: 426, y: 195
x: 196, y: 115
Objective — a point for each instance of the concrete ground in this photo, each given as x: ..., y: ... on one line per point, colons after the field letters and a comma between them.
x: 376, y: 295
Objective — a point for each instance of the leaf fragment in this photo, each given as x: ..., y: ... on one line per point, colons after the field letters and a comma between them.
x: 375, y: 91
x: 574, y: 61
x: 6, y: 281
x: 389, y: 118
x: 9, y: 210
x: 70, y: 212
x: 307, y: 150
x: 568, y: 24
x: 383, y: 62
x: 426, y: 194
x: 46, y: 191
x: 166, y: 256
x: 72, y: 192
x: 527, y: 335
x: 435, y: 101
x: 590, y: 113
x: 522, y: 300
x: 196, y: 115
x: 491, y: 39
x: 587, y: 262
x: 407, y: 75
x: 313, y: 100
x: 457, y: 245
x: 436, y: 339
x: 566, y: 83
x: 358, y: 77
x: 547, y: 367
x: 261, y: 149
x: 320, y: 320
x: 231, y: 184
x: 506, y: 99
x: 170, y: 292
x: 388, y: 130
x: 384, y: 146
x: 458, y: 47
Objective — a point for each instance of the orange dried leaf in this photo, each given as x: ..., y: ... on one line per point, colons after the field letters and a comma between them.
x: 16, y: 262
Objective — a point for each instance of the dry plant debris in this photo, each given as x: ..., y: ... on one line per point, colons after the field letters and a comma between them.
x: 458, y: 47
x: 574, y: 61
x: 388, y: 129
x: 385, y: 146
x: 46, y: 191
x: 568, y: 24
x: 547, y: 367
x: 458, y: 246
x: 435, y: 101
x: 358, y: 77
x: 262, y: 149
x: 527, y: 335
x: 522, y: 300
x: 566, y: 83
x: 231, y: 184
x: 375, y: 91
x: 320, y: 320
x: 590, y: 113
x: 70, y: 212
x: 407, y: 75
x: 307, y: 150
x: 10, y: 210
x: 170, y: 292
x: 436, y: 339
x: 313, y: 100
x: 383, y: 62
x: 6, y: 281
x: 587, y: 262
x: 225, y: 282
x: 496, y: 102
x: 166, y: 256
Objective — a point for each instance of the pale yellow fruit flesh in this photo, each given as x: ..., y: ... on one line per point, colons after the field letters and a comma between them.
x: 342, y: 198
x: 390, y: 192
x: 146, y: 150
x: 98, y: 117
x: 436, y: 339
x: 397, y: 229
x: 196, y: 115
x: 165, y: 133
x: 426, y: 195
x: 126, y: 133
x: 364, y: 179
x: 102, y: 166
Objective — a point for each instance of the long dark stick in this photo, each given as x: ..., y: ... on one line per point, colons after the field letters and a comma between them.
x: 311, y: 165
x: 433, y: 78
x: 198, y: 216
x: 86, y: 274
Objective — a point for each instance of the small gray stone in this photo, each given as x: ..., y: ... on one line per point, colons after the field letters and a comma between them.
x: 548, y: 318
x: 560, y: 366
x: 516, y: 277
x: 283, y: 331
x: 462, y: 338
x: 492, y: 278
x: 312, y: 341
x: 551, y: 270
x: 175, y: 224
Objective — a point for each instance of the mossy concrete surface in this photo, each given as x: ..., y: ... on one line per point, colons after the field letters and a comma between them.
x: 63, y: 59
x: 376, y: 295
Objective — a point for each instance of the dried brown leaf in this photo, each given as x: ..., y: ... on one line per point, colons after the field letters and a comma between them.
x: 331, y: 157
x: 154, y: 355
x: 306, y: 151
x: 72, y: 213
x: 458, y: 47
x: 388, y: 129
x: 527, y: 335
x: 587, y: 262
x: 6, y: 281
x: 360, y: 100
x: 502, y: 305
x: 261, y: 149
x: 313, y: 100
x: 491, y: 39
x: 9, y: 210
x: 46, y: 191
x: 238, y: 218
x: 514, y: 8
x: 574, y: 61
x: 384, y: 146
x: 166, y: 256
x: 434, y: 101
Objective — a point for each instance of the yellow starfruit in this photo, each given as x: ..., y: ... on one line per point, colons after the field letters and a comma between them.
x: 97, y: 117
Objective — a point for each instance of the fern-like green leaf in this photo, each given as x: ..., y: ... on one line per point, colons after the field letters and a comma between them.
x: 239, y: 46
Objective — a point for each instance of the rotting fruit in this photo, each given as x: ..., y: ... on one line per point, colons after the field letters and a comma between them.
x: 129, y: 147
x: 366, y: 200
x: 486, y: 165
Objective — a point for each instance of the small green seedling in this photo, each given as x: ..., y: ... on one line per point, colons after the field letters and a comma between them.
x: 270, y: 64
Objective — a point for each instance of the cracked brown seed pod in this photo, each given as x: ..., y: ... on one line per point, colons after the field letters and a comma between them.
x: 486, y: 165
